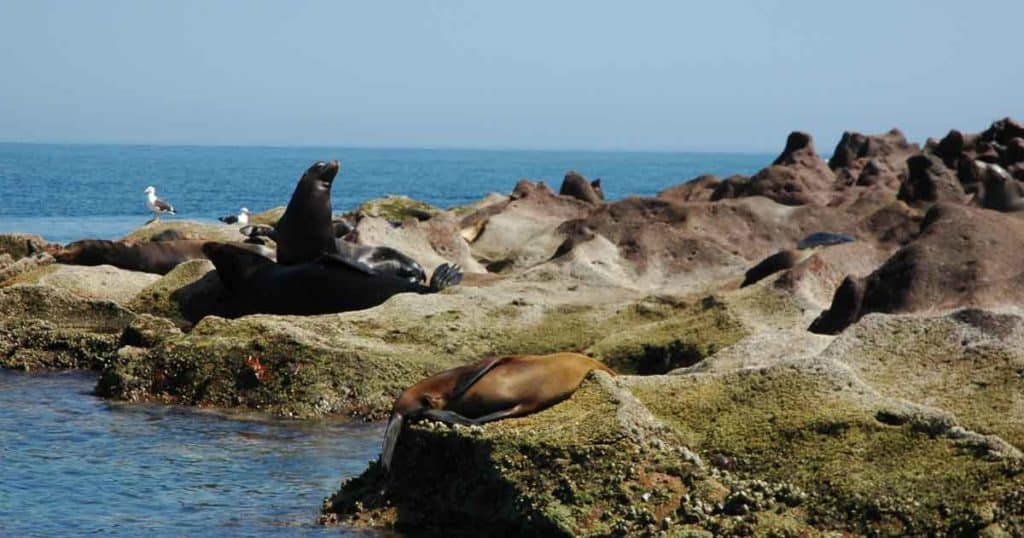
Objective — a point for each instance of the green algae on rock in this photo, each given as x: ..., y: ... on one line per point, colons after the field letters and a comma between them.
x: 16, y: 245
x: 44, y: 327
x: 396, y: 208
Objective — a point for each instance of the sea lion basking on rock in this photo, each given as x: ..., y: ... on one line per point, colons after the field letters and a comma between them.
x: 307, y: 230
x: 328, y: 284
x: 489, y: 390
x: 150, y: 257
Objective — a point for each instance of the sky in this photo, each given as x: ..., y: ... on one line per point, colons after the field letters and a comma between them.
x: 645, y: 75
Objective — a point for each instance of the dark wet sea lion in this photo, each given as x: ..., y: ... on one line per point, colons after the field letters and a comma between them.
x: 151, y: 256
x: 380, y: 259
x: 384, y: 260
x: 306, y: 231
x: 329, y: 284
x: 342, y: 227
x: 489, y: 390
x: 785, y: 259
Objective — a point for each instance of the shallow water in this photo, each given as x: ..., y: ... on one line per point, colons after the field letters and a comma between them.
x: 72, y: 464
x: 66, y: 192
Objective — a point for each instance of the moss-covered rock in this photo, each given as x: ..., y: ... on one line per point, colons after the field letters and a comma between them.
x: 16, y: 245
x: 355, y: 363
x: 793, y: 449
x: 44, y: 327
x: 396, y: 208
x: 676, y: 336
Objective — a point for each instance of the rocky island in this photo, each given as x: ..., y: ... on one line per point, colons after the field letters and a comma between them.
x: 873, y: 386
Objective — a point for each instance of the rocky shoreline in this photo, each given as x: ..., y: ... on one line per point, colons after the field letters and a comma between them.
x: 871, y: 387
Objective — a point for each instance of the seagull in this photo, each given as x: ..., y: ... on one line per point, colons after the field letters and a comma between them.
x: 156, y: 205
x: 241, y: 218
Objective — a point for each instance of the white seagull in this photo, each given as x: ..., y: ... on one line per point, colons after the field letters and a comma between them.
x: 156, y: 205
x: 241, y: 218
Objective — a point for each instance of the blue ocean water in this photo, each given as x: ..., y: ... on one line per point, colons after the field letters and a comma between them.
x: 67, y: 192
x: 72, y: 464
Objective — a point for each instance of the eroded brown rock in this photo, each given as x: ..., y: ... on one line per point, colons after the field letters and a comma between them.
x: 963, y: 257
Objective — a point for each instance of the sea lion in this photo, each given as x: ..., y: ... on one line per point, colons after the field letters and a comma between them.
x: 306, y: 231
x: 149, y: 257
x: 489, y: 390
x: 785, y: 259
x: 384, y: 260
x: 328, y: 284
x: 380, y: 259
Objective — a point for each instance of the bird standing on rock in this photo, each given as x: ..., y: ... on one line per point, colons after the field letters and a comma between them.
x: 156, y: 205
x: 242, y: 218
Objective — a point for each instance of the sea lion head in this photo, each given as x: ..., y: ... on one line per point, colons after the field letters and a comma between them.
x: 322, y: 173
x: 414, y: 401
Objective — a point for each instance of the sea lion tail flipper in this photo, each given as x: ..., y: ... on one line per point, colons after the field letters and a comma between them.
x: 444, y: 276
x: 387, y: 452
x: 339, y: 261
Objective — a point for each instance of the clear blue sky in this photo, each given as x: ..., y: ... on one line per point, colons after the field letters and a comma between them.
x: 720, y: 76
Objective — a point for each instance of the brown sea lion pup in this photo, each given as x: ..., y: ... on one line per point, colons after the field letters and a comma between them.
x: 489, y: 390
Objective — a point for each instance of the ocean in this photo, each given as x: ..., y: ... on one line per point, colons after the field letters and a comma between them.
x: 66, y: 192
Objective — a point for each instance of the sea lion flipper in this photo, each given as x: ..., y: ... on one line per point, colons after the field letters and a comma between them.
x: 464, y: 384
x: 449, y: 417
x: 444, y: 276
x: 340, y: 261
x: 515, y: 410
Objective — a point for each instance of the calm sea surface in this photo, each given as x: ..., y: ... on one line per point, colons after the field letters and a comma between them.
x: 72, y: 464
x: 68, y: 192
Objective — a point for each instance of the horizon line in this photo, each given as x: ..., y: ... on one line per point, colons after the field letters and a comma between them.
x: 386, y: 147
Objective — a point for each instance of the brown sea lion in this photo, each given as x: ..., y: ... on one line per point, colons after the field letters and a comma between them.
x: 149, y: 256
x: 489, y: 390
